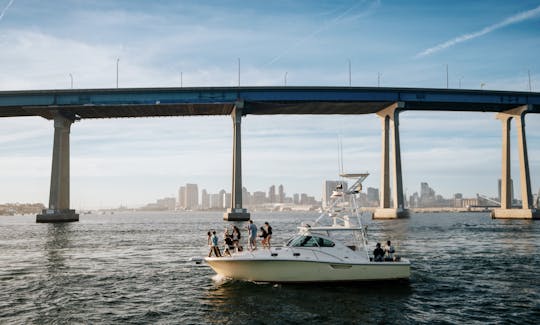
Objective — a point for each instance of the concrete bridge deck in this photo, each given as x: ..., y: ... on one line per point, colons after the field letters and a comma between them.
x: 152, y: 102
x: 66, y: 106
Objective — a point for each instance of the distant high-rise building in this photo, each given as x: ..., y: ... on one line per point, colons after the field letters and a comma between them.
x: 272, y: 194
x: 373, y: 196
x: 414, y: 200
x: 227, y: 201
x: 427, y: 195
x: 192, y: 197
x: 181, y: 198
x: 216, y: 202
x: 222, y: 198
x: 296, y: 198
x: 328, y: 188
x: 258, y: 198
x: 281, y: 194
x: 246, y: 197
x: 205, y: 200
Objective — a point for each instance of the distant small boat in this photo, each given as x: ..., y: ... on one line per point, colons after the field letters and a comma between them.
x: 323, y: 252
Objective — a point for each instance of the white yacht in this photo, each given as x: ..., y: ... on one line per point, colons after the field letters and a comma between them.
x: 333, y: 248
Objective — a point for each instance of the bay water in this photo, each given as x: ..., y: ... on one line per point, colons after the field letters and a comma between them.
x: 135, y: 268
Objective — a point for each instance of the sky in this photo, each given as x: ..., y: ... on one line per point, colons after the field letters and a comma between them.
x: 46, y: 45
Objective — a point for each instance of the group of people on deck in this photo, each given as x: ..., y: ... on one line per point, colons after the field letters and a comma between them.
x: 386, y: 254
x: 232, y: 239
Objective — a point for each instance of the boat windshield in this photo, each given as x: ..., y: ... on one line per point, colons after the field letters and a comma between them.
x: 310, y: 241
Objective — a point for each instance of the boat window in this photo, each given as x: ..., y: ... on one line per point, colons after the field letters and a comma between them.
x: 310, y: 241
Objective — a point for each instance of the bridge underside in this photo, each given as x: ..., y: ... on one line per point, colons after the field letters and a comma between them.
x: 66, y: 106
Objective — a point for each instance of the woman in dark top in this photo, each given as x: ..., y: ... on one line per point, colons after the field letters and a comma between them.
x: 269, y: 233
x: 263, y: 235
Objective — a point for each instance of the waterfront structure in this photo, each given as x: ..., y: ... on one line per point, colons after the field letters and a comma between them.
x: 165, y: 204
x: 67, y: 106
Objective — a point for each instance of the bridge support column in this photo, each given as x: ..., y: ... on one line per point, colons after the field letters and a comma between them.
x: 390, y: 121
x: 527, y: 211
x: 237, y: 212
x: 59, y: 210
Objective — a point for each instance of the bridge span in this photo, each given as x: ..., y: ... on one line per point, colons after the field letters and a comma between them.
x: 66, y: 106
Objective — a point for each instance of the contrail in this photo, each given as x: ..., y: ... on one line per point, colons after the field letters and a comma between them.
x: 325, y: 26
x: 6, y: 9
x: 466, y: 37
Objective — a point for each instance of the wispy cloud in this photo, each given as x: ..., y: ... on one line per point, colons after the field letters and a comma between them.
x: 6, y: 9
x: 529, y: 14
x: 372, y: 6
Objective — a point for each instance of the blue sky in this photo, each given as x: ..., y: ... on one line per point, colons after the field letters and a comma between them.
x: 133, y: 161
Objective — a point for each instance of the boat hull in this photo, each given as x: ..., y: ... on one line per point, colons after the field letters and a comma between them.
x: 272, y: 270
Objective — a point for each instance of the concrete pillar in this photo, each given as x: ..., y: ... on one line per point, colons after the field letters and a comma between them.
x: 59, y: 210
x: 506, y: 191
x: 237, y: 212
x: 527, y: 210
x: 385, y: 164
x: 390, y: 121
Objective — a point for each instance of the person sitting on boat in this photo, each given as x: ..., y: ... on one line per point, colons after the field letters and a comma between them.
x: 269, y: 232
x: 263, y: 235
x: 378, y: 253
x: 252, y: 231
x: 389, y: 251
x: 215, y: 247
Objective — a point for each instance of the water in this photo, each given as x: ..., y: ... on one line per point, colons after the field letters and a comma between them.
x: 135, y: 268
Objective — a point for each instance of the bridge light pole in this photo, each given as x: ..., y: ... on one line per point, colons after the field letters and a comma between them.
x: 350, y: 78
x: 117, y: 62
x: 447, y: 76
x: 71, y: 76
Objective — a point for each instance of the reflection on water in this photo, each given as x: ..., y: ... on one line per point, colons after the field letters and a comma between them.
x: 330, y: 303
x: 52, y: 303
x: 56, y: 242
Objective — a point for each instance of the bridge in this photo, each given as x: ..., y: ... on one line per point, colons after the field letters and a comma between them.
x: 66, y: 106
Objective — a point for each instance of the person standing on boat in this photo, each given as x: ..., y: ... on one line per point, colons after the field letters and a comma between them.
x: 269, y: 233
x: 209, y: 240
x: 252, y: 231
x: 236, y: 239
x: 263, y: 235
x: 378, y: 253
x: 215, y: 244
x: 389, y: 251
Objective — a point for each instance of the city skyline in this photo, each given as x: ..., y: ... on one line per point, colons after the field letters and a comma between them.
x: 425, y: 197
x: 169, y: 44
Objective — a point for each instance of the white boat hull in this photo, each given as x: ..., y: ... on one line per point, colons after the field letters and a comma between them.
x: 272, y: 270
